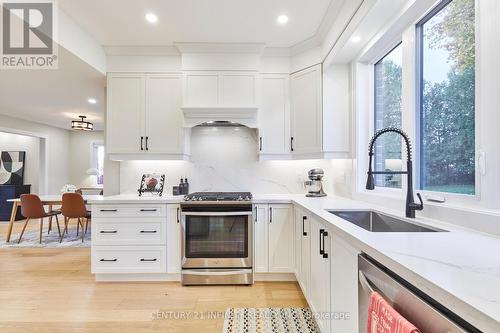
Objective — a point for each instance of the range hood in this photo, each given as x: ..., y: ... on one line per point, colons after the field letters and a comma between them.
x: 194, y: 116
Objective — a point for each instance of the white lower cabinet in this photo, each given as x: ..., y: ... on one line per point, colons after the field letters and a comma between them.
x: 303, y: 255
x: 173, y: 239
x: 320, y: 279
x: 261, y: 237
x: 273, y: 234
x: 344, y: 286
x: 136, y: 239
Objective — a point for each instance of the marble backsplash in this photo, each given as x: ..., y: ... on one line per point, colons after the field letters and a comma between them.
x: 226, y: 159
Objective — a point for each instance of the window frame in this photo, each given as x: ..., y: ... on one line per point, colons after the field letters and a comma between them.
x: 373, y: 124
x: 93, y: 155
x: 404, y: 31
x: 419, y: 89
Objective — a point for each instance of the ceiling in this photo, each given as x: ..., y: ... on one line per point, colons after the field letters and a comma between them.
x: 54, y: 97
x: 122, y: 23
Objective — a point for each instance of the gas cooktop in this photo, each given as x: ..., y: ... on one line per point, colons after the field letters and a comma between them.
x: 219, y: 196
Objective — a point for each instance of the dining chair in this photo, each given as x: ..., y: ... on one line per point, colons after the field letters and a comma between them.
x: 73, y: 207
x: 32, y: 208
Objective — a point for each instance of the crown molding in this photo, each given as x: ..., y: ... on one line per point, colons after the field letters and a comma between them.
x: 168, y: 50
x: 255, y: 48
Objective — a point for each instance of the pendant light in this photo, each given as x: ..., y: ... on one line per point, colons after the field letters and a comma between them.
x: 81, y: 124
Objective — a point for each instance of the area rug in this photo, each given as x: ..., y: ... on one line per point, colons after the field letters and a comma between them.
x: 31, y: 239
x: 269, y: 320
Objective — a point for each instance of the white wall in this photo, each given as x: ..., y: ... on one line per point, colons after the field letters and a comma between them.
x: 80, y: 153
x: 226, y: 159
x: 56, y: 150
x: 29, y: 144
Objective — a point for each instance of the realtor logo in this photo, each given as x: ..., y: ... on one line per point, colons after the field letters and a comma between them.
x: 28, y: 35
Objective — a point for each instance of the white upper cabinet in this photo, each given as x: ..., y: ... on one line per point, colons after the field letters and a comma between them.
x: 125, y: 113
x: 274, y: 117
x: 210, y: 89
x: 306, y: 112
x: 164, y: 120
x: 144, y: 118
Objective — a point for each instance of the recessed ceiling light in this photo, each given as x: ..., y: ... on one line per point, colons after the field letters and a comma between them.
x: 282, y: 19
x: 92, y: 100
x: 356, y: 39
x: 151, y: 18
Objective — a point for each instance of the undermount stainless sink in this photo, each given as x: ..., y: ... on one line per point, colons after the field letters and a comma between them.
x: 377, y: 222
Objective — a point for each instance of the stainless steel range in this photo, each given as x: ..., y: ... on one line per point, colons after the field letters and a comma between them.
x: 217, y: 238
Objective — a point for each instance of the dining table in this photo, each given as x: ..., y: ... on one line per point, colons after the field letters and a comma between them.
x: 50, y: 201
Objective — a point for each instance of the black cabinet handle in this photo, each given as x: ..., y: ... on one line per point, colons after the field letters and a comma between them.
x: 270, y: 214
x: 142, y: 139
x: 148, y: 260
x: 321, y: 251
x: 260, y: 144
x: 256, y: 214
x: 108, y: 231
x: 178, y: 219
x: 325, y: 234
x: 291, y: 143
x: 147, y: 138
x: 109, y: 210
x: 304, y: 233
x: 148, y: 231
x: 108, y: 260
x: 149, y: 210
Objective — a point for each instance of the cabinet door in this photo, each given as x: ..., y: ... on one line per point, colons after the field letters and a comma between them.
x: 274, y: 122
x: 173, y: 239
x: 319, y: 291
x: 344, y: 293
x: 164, y: 120
x: 305, y: 254
x: 125, y: 113
x: 297, y: 239
x: 261, y: 263
x: 306, y: 110
x: 280, y: 239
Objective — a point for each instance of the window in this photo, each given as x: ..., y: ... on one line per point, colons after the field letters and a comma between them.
x: 446, y: 57
x: 98, y: 161
x: 388, y: 86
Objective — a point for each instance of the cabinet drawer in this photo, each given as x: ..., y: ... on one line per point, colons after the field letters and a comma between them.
x: 128, y: 210
x: 129, y: 259
x: 111, y: 231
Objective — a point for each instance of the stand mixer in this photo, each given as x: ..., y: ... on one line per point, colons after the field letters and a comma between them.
x: 314, y: 186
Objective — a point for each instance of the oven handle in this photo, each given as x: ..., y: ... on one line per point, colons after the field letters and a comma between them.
x: 215, y: 213
x: 220, y: 273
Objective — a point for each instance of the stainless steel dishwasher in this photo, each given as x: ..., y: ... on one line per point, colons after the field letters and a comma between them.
x: 421, y: 310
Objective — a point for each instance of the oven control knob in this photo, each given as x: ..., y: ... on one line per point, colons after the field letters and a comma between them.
x: 247, y: 198
x: 240, y: 198
x: 200, y: 199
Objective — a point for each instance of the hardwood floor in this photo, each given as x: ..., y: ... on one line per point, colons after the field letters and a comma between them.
x: 52, y: 290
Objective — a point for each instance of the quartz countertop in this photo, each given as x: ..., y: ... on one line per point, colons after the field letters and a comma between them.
x: 459, y: 268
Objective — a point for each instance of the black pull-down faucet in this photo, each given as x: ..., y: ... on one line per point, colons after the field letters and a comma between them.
x: 411, y: 205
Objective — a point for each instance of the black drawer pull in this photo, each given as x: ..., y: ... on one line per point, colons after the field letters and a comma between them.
x: 109, y: 210
x: 149, y: 210
x: 304, y: 233
x: 148, y: 231
x: 109, y: 260
x: 108, y: 231
x: 148, y: 260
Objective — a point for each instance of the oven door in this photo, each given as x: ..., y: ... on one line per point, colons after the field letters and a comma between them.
x: 221, y: 239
